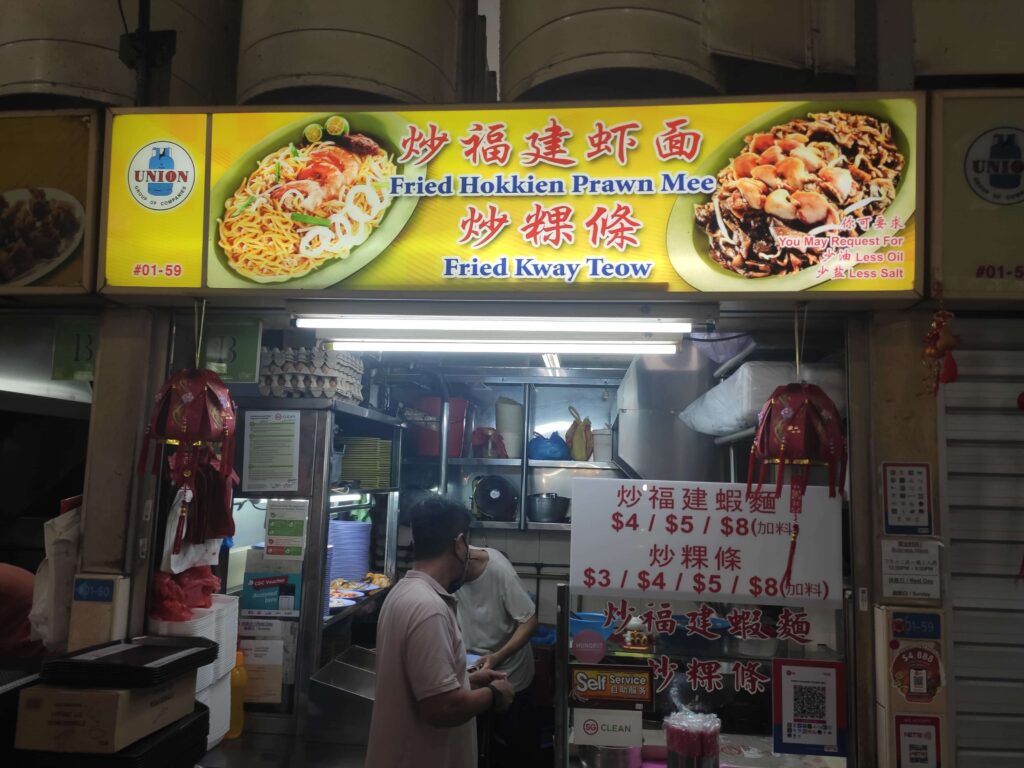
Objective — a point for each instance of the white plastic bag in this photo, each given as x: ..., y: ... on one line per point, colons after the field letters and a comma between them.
x: 51, y: 597
x: 191, y: 555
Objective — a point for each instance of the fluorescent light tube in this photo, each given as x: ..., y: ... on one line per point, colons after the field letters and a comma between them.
x: 502, y: 347
x: 475, y: 324
x: 551, y: 360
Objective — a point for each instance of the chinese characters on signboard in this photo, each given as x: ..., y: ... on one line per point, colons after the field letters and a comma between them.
x: 713, y: 197
x: 705, y: 540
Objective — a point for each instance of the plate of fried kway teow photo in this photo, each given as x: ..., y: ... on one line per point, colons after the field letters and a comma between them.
x: 40, y: 228
x: 310, y: 204
x: 792, y: 185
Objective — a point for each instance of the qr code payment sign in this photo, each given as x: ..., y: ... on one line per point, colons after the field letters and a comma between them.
x: 809, y: 703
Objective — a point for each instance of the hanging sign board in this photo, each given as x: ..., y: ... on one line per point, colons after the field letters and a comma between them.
x: 75, y: 342
x: 978, y: 146
x: 713, y: 541
x: 231, y: 349
x: 642, y: 200
x: 47, y: 202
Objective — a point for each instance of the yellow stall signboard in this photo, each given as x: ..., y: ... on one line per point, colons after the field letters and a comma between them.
x: 48, y: 202
x: 633, y: 201
x: 978, y: 158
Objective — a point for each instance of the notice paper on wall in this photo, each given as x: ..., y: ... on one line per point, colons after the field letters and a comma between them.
x: 271, y: 452
x: 286, y: 529
x: 809, y: 707
x: 918, y: 741
x: 715, y: 541
x: 910, y: 568
x: 264, y: 667
x: 274, y: 629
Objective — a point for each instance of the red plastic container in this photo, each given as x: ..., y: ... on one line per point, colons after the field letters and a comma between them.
x: 428, y: 441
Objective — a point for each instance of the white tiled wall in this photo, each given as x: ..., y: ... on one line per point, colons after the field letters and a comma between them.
x: 551, y: 548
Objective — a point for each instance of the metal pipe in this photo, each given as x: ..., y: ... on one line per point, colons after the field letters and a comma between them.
x: 524, y: 468
x: 445, y: 411
x: 143, y: 65
x: 561, y: 671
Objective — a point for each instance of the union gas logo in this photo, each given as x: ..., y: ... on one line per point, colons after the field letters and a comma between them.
x: 161, y: 175
x: 994, y: 166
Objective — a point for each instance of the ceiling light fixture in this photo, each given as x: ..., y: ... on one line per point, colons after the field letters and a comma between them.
x: 476, y: 324
x: 497, y: 347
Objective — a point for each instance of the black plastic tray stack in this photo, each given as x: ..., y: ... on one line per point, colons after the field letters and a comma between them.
x: 179, y: 744
x: 140, y: 662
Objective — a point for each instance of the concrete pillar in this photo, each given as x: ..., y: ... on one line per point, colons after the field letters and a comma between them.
x: 118, y: 512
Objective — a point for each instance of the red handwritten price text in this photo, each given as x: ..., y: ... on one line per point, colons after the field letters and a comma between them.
x: 648, y: 580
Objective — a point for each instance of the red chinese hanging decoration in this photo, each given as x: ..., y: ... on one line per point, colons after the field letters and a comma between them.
x: 939, y: 343
x: 195, y: 415
x: 799, y: 427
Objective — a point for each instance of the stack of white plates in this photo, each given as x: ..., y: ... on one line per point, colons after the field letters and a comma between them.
x: 367, y: 461
x: 351, y: 544
x: 226, y: 609
x: 218, y: 698
x: 328, y: 570
x: 202, y: 624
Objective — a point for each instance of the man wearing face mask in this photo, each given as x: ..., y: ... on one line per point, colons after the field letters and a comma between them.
x: 425, y: 702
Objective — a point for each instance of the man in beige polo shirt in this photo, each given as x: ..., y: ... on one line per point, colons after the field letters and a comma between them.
x: 425, y: 702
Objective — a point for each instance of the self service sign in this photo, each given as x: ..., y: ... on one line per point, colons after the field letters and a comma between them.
x: 643, y: 200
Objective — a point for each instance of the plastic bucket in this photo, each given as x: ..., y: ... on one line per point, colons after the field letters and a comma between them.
x: 602, y: 445
x: 428, y: 440
x: 508, y: 418
x: 513, y: 444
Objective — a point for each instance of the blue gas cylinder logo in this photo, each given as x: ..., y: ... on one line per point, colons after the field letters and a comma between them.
x: 161, y: 175
x: 994, y: 166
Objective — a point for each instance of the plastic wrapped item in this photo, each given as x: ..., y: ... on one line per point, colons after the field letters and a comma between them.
x: 51, y: 598
x: 734, y: 404
x: 168, y: 599
x: 692, y: 740
x: 198, y: 585
x: 548, y: 448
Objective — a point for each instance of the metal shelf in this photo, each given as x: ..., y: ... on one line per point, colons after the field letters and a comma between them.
x: 362, y: 605
x: 736, y: 437
x: 530, y: 526
x: 356, y: 489
x: 462, y: 462
x: 511, y: 525
x: 370, y: 415
x: 544, y: 464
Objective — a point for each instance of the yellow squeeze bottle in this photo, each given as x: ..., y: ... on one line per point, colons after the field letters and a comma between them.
x: 239, y: 678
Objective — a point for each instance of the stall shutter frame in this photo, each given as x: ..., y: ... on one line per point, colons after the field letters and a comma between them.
x: 983, y: 444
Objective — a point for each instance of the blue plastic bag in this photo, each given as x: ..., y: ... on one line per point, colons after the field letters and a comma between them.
x: 548, y: 448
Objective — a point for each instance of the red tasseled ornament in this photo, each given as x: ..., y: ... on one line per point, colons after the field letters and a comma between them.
x: 948, y: 373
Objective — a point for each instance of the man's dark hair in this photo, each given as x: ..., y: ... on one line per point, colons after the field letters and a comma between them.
x: 436, y: 523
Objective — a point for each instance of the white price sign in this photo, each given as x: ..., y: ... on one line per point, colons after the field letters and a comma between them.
x: 643, y: 538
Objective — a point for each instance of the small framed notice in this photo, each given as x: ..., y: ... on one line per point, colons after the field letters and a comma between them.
x: 907, y: 496
x: 809, y: 707
x: 918, y: 741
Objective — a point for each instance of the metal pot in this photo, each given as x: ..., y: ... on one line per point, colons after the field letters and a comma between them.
x: 547, y: 507
x: 494, y: 498
x: 610, y: 757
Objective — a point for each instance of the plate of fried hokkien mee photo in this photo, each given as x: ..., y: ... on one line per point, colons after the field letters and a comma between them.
x: 793, y: 192
x: 309, y: 205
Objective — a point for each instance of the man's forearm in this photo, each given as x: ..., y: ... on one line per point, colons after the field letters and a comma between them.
x: 519, y: 638
x: 461, y: 707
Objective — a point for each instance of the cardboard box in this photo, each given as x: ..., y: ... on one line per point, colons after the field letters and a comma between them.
x: 99, y: 609
x: 99, y: 720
